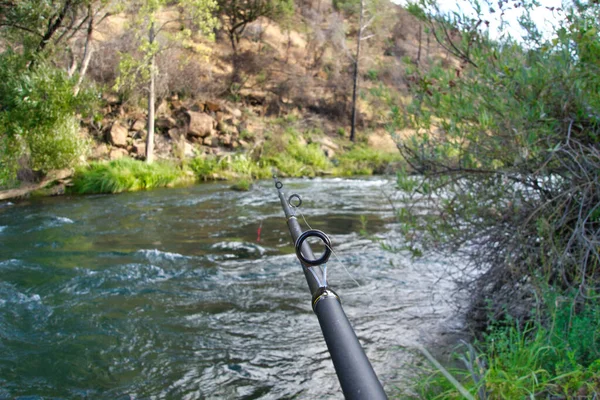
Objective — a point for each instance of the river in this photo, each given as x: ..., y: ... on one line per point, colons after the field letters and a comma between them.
x: 169, y: 294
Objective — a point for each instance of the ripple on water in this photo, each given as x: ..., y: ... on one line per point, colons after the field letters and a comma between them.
x: 132, y: 318
x: 240, y: 249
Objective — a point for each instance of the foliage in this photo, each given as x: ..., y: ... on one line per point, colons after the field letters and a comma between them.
x: 238, y: 166
x: 347, y: 6
x: 38, y: 123
x: 507, y: 145
x: 238, y: 14
x: 557, y: 358
x: 35, y: 26
x: 292, y: 158
x: 136, y: 67
x: 242, y: 185
x: 363, y: 160
x: 122, y: 175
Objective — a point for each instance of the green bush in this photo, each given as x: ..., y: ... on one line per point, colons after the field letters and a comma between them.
x: 123, y: 175
x: 38, y: 117
x: 503, y: 142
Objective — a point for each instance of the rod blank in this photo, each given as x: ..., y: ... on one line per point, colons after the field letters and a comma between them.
x: 355, y: 373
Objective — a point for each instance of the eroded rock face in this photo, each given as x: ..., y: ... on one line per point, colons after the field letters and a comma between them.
x: 117, y: 136
x: 200, y: 124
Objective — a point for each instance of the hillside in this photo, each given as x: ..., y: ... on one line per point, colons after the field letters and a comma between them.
x: 297, y: 77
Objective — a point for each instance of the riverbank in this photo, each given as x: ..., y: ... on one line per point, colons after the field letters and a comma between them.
x: 291, y: 155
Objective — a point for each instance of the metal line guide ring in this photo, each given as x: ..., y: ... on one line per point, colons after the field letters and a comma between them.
x: 313, y: 233
x: 295, y: 196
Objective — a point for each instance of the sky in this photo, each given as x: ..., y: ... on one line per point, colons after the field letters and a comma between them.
x: 543, y: 17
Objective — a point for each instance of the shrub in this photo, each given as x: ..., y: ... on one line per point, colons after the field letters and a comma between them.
x: 38, y: 117
x: 507, y: 145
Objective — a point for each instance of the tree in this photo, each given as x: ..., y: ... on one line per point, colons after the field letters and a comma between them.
x: 38, y: 125
x: 237, y: 14
x: 369, y: 12
x: 198, y: 13
x: 48, y: 30
x: 507, y: 147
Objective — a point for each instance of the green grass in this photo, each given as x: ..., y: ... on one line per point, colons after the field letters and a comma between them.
x: 292, y: 158
x: 242, y: 185
x: 296, y: 159
x: 362, y: 160
x: 556, y: 358
x: 123, y: 175
x: 229, y: 167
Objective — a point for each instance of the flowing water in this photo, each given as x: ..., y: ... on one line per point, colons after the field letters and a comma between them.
x: 169, y: 294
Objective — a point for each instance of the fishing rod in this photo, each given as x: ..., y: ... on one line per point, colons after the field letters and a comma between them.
x: 354, y: 371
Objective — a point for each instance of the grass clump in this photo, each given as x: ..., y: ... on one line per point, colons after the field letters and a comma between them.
x: 293, y: 158
x: 363, y: 160
x: 554, y: 358
x: 124, y: 174
x: 242, y: 185
x: 228, y: 167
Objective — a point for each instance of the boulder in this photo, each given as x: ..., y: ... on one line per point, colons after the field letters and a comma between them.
x: 200, y: 124
x: 329, y: 153
x: 163, y: 108
x: 166, y: 123
x: 139, y: 149
x: 225, y: 140
x: 176, y: 104
x: 138, y: 125
x: 110, y: 98
x: 235, y: 112
x: 117, y: 135
x: 175, y: 134
x: 326, y: 142
x: 116, y: 153
x: 100, y: 152
x: 211, y: 141
x: 212, y: 106
x: 198, y: 107
x: 188, y: 150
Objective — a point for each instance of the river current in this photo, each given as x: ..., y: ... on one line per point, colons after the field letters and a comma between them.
x: 171, y: 294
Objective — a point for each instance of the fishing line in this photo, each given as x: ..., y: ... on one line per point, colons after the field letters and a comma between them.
x: 295, y: 208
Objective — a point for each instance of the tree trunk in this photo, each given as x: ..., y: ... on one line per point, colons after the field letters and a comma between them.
x: 356, y: 61
x: 151, y: 99
x: 420, y: 40
x: 53, y: 26
x: 87, y: 52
